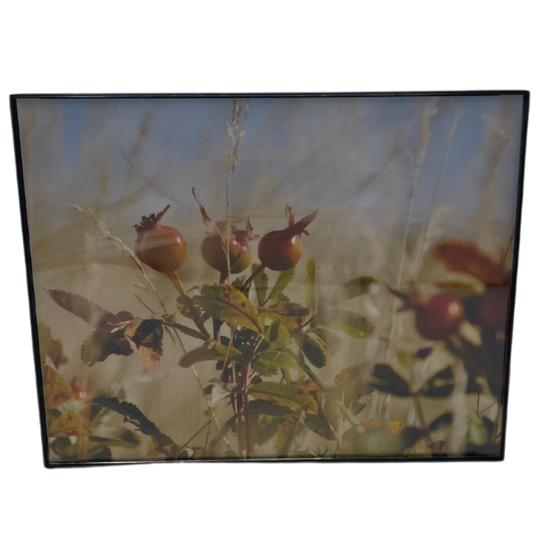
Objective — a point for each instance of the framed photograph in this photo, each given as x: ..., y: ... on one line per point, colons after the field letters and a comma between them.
x: 271, y: 277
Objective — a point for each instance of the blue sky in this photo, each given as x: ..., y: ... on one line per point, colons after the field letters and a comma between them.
x: 312, y: 153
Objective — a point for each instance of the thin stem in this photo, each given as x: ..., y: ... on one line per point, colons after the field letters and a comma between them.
x: 214, y: 417
x: 216, y: 323
x: 345, y: 411
x: 248, y: 281
x: 177, y: 282
x: 245, y: 404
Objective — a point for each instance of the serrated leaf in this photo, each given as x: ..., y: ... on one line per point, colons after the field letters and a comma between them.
x: 118, y: 437
x: 311, y: 284
x: 95, y: 347
x: 67, y: 424
x: 290, y: 433
x: 268, y: 429
x: 320, y: 425
x: 93, y: 314
x: 130, y: 412
x: 50, y: 347
x: 388, y: 381
x: 314, y: 349
x: 55, y: 389
x: 352, y: 324
x: 265, y: 408
x: 441, y: 385
x: 229, y: 305
x: 146, y: 339
x: 213, y: 351
x: 261, y: 285
x: 283, y: 280
x: 276, y: 335
x: 290, y: 314
x: 134, y: 416
x: 357, y: 286
x: 480, y: 429
x: 267, y: 363
x: 284, y: 394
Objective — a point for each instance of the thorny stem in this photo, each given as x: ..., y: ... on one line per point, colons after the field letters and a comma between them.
x: 177, y: 282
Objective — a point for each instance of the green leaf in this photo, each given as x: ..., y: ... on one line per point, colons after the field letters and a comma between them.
x: 213, y: 351
x: 320, y: 425
x: 229, y: 305
x: 264, y: 408
x: 311, y: 284
x: 283, y: 280
x: 285, y: 395
x: 441, y: 385
x: 261, y: 285
x: 276, y: 335
x: 314, y: 349
x: 357, y: 286
x: 289, y: 314
x: 388, y: 381
x: 352, y: 324
x: 267, y: 363
x: 269, y: 429
x: 480, y: 429
x: 332, y: 339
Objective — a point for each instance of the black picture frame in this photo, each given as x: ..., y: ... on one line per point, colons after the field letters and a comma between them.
x: 28, y: 258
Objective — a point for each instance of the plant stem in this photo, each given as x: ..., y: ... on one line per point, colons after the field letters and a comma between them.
x: 245, y: 404
x: 179, y: 286
x: 248, y: 281
x: 346, y: 412
x: 216, y: 323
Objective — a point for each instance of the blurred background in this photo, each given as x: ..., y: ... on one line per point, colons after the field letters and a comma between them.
x: 390, y: 176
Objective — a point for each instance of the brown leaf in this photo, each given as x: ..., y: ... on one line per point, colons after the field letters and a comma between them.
x: 467, y: 258
x: 55, y: 389
x: 50, y: 347
x: 82, y: 308
x: 67, y: 424
x: 145, y: 338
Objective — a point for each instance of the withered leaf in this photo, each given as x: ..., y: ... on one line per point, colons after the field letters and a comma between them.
x: 67, y: 424
x: 82, y: 308
x: 50, y: 347
x: 146, y: 338
x: 55, y: 389
x: 467, y: 258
